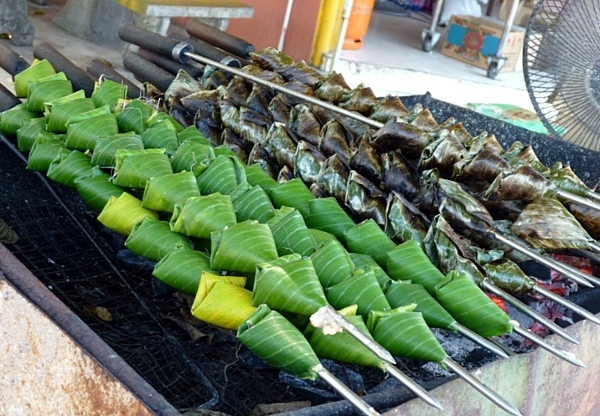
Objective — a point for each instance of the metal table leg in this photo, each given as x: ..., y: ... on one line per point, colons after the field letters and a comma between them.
x: 430, y: 36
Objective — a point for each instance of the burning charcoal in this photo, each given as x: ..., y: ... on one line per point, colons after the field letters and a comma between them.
x: 237, y: 92
x: 334, y: 177
x: 425, y: 121
x: 547, y: 224
x: 364, y: 199
x: 237, y: 145
x: 305, y: 124
x: 280, y: 145
x: 398, y: 175
x: 259, y: 100
x: 300, y: 71
x: 388, y: 107
x: 523, y: 184
x: 443, y: 154
x: 397, y: 134
x: 333, y: 139
x: 361, y: 99
x: 253, y: 126
x: 308, y: 162
x: 404, y: 221
x: 280, y: 109
x: 333, y: 88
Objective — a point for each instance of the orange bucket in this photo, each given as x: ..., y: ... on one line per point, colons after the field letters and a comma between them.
x: 358, y: 24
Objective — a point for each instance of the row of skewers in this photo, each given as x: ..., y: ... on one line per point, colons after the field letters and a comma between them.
x: 318, y: 151
x: 286, y: 205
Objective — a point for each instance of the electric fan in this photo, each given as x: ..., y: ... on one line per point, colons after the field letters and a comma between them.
x: 561, y: 65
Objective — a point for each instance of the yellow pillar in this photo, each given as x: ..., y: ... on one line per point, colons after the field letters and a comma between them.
x: 329, y: 24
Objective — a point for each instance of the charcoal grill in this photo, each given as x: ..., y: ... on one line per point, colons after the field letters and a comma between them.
x: 63, y: 246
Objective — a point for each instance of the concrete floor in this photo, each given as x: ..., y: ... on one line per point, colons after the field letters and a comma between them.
x: 391, y: 61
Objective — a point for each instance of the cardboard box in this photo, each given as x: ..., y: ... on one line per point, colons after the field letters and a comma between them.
x: 473, y: 39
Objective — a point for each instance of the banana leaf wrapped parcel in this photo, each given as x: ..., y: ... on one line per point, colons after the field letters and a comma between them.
x: 273, y: 338
x: 405, y: 334
x: 546, y: 223
x: 461, y: 297
x: 289, y: 284
x: 223, y: 301
x: 241, y: 247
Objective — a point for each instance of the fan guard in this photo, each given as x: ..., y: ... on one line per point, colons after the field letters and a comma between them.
x: 561, y: 65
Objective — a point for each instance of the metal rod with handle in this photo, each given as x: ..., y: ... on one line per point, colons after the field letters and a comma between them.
x: 183, y: 52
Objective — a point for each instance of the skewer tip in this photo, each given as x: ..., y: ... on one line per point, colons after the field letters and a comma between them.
x: 565, y: 355
x: 413, y: 386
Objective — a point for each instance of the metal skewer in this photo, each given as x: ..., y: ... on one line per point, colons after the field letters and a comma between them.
x: 489, y: 286
x: 331, y: 321
x: 178, y: 55
x: 571, y: 272
x: 594, y: 246
x: 578, y: 199
x: 348, y: 394
x: 183, y: 52
x: 480, y: 387
x: 567, y: 303
x: 412, y: 386
x: 593, y: 195
x: 184, y: 56
x: 478, y: 339
x: 565, y: 355
x: 328, y: 317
